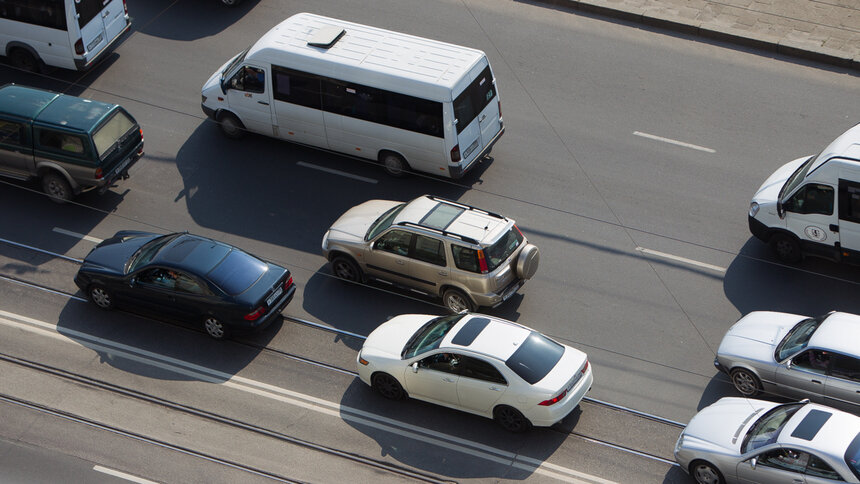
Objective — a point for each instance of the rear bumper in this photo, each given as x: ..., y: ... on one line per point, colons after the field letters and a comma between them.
x: 274, y: 313
x: 548, y: 416
x: 121, y: 171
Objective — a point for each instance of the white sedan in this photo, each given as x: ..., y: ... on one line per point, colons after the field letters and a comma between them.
x: 476, y: 363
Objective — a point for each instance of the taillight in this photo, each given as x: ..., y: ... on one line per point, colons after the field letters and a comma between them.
x: 288, y: 283
x: 455, y: 154
x: 79, y: 47
x: 125, y: 7
x: 482, y: 262
x: 519, y: 231
x: 500, y: 109
x: 584, y: 368
x: 252, y: 316
x: 553, y: 401
x: 99, y: 173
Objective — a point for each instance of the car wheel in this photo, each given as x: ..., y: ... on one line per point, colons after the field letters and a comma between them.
x: 705, y: 473
x: 387, y: 386
x: 395, y: 165
x: 100, y: 296
x: 528, y: 261
x: 57, y: 187
x: 230, y: 125
x: 457, y: 301
x: 745, y: 382
x: 511, y: 419
x: 346, y: 269
x: 23, y: 59
x: 786, y: 248
x: 214, y: 327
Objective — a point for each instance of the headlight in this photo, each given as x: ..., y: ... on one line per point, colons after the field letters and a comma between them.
x: 679, y: 443
x: 753, y: 209
x: 204, y: 99
x: 325, y: 241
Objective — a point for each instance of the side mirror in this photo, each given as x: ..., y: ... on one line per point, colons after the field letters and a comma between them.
x: 753, y: 462
x: 780, y: 210
x: 132, y: 281
x: 415, y: 367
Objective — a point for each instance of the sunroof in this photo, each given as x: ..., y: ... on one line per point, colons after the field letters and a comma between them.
x: 326, y: 36
x: 811, y: 424
x: 470, y: 331
x: 441, y: 216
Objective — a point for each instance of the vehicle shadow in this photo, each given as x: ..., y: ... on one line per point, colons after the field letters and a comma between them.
x: 446, y: 442
x: 168, y: 19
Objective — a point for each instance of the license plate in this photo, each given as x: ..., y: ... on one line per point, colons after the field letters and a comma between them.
x: 274, y: 297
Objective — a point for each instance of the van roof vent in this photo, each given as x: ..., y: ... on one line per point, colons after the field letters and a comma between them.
x: 326, y: 36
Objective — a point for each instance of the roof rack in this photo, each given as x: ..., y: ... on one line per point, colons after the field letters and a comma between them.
x: 463, y: 205
x: 468, y: 240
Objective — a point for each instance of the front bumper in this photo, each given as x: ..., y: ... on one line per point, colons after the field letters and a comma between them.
x: 758, y: 229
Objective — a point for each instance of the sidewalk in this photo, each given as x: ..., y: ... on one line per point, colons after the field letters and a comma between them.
x: 825, y: 31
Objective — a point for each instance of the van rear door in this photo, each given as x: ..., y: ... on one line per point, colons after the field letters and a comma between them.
x: 99, y: 23
x: 477, y: 112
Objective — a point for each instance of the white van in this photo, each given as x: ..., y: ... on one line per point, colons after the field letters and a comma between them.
x: 812, y: 205
x: 71, y: 34
x: 410, y: 103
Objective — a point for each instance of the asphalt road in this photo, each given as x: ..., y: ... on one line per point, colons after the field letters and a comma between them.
x: 584, y: 167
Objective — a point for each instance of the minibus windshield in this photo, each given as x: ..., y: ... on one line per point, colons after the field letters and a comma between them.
x: 233, y: 63
x: 797, y: 177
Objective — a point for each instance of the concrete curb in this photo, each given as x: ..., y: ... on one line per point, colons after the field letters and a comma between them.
x: 729, y: 35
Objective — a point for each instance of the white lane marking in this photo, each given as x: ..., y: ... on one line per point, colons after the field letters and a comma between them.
x: 122, y: 475
x: 674, y: 142
x: 325, y: 407
x: 681, y: 259
x: 337, y: 172
x: 77, y: 235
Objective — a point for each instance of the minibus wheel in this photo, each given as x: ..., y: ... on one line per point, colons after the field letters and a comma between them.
x: 394, y: 164
x: 230, y: 125
x: 786, y: 247
x: 23, y: 59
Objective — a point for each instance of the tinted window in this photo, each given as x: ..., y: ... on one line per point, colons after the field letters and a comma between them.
x: 445, y: 362
x: 396, y: 242
x: 819, y: 468
x: 296, y: 87
x: 786, y: 459
x: 414, y: 114
x: 430, y: 335
x: 797, y: 338
x: 148, y: 251
x: 845, y: 367
x: 88, y: 10
x: 813, y: 360
x: 852, y: 456
x: 812, y: 198
x: 61, y: 142
x: 480, y: 370
x: 503, y: 248
x: 253, y: 79
x: 237, y: 272
x: 46, y: 13
x: 429, y: 250
x: 534, y: 359
x: 11, y: 132
x: 849, y: 201
x: 474, y: 99
x: 465, y: 258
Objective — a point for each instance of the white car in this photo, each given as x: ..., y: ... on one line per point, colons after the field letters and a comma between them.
x: 478, y: 364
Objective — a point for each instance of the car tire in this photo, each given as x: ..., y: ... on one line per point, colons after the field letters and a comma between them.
x: 387, y: 386
x: 786, y: 247
x: 230, y: 125
x: 706, y: 473
x: 345, y: 268
x: 25, y: 60
x: 395, y: 165
x: 457, y: 301
x: 56, y: 187
x: 511, y: 419
x: 214, y: 327
x: 528, y: 262
x: 100, y: 296
x: 746, y: 382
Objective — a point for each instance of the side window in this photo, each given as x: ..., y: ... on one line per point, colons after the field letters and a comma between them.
x: 849, y: 201
x: 162, y: 278
x: 819, y: 468
x: 812, y: 198
x: 395, y: 241
x: 254, y: 79
x: 446, y: 362
x: 185, y: 283
x: 354, y: 100
x: 845, y: 367
x: 465, y: 258
x: 430, y: 250
x: 47, y: 13
x: 813, y: 360
x: 296, y: 87
x: 480, y: 370
x: 11, y: 132
x: 414, y: 114
x: 786, y: 459
x: 62, y: 142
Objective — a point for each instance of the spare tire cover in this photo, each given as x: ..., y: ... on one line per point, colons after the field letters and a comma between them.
x: 528, y: 261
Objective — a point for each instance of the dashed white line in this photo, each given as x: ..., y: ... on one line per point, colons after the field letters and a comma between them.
x: 122, y: 475
x: 681, y: 259
x: 337, y: 172
x: 674, y: 142
x: 77, y: 235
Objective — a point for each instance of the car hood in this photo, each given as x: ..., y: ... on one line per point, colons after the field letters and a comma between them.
x: 112, y: 254
x: 723, y: 424
x: 355, y: 223
x: 391, y: 336
x: 769, y: 190
x: 755, y: 336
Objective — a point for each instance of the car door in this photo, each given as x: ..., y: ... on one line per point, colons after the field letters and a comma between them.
x: 428, y: 267
x: 809, y: 214
x: 153, y: 291
x: 803, y: 376
x: 191, y: 297
x: 248, y: 97
x: 480, y: 386
x: 842, y: 387
x: 16, y: 151
x: 780, y: 465
x: 434, y: 379
x: 388, y: 257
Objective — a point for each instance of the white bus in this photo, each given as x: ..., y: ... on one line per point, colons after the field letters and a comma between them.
x: 410, y: 103
x: 63, y: 33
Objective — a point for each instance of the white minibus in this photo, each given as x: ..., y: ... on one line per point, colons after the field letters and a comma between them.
x: 70, y: 34
x: 408, y: 102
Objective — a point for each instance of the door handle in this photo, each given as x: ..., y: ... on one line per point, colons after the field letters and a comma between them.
x: 482, y: 118
x: 834, y: 228
x: 399, y: 261
x: 495, y: 389
x: 449, y: 380
x: 264, y: 103
x: 816, y: 381
x: 443, y: 273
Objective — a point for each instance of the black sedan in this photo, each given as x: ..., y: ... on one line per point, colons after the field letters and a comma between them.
x: 187, y: 278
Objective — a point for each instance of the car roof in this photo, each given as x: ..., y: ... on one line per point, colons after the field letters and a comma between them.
x: 496, y: 338
x: 48, y: 107
x: 826, y: 429
x: 838, y: 332
x: 468, y: 222
x: 192, y: 253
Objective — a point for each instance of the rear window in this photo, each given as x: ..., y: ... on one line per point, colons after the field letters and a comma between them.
x: 535, y: 358
x: 106, y: 137
x: 237, y: 272
x: 87, y: 10
x: 474, y: 99
x: 503, y: 248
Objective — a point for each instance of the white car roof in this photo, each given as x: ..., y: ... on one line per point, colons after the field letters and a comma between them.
x: 823, y: 428
x: 839, y: 332
x: 498, y: 339
x: 475, y: 224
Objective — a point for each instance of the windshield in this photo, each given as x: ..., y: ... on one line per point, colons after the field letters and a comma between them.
x: 797, y: 338
x: 852, y: 456
x: 503, y: 248
x: 233, y: 63
x: 767, y: 428
x: 430, y: 335
x: 105, y: 138
x: 383, y: 222
x: 535, y: 358
x: 148, y: 251
x: 797, y: 177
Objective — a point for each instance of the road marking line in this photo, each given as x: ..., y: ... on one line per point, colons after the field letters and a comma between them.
x: 674, y: 142
x: 122, y: 475
x: 681, y: 259
x: 325, y: 407
x: 337, y: 172
x: 77, y: 235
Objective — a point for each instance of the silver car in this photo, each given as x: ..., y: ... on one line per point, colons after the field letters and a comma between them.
x: 795, y: 356
x: 739, y: 440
